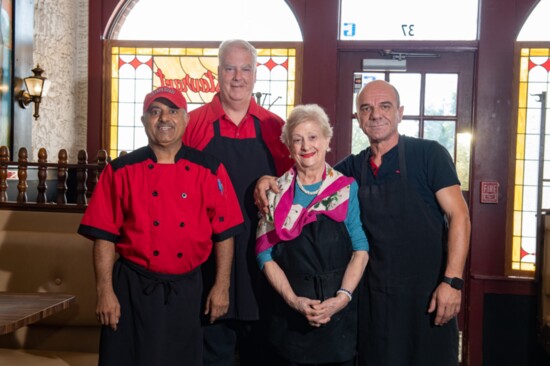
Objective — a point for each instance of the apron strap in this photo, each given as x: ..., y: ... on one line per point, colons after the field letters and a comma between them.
x: 402, y: 163
x: 365, y: 169
x: 216, y: 126
x: 257, y: 127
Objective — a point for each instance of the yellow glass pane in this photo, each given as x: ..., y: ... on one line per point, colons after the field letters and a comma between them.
x: 289, y: 109
x: 520, y: 146
x: 530, y: 267
x: 522, y: 95
x: 114, y: 67
x: 291, y: 92
x: 264, y: 51
x: 279, y: 52
x: 207, y: 62
x: 539, y: 52
x: 518, y: 197
x: 517, y: 226
x: 515, y: 266
x: 519, y: 171
x: 523, y: 69
x: 178, y: 51
x: 127, y: 50
x: 114, y: 90
x: 114, y: 117
x: 292, y: 68
x: 161, y: 51
x: 114, y: 137
x: 114, y: 50
x: 195, y: 51
x: 144, y: 51
x: 524, y: 52
x: 292, y: 52
x: 522, y: 117
x: 210, y: 51
x: 516, y: 249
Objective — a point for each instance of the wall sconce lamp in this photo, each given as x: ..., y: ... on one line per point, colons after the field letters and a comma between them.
x: 37, y: 87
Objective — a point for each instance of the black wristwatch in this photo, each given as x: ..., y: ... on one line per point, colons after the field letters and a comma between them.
x: 454, y: 282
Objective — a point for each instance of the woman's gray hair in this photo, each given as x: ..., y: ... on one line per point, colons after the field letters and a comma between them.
x: 303, y: 113
x: 237, y: 43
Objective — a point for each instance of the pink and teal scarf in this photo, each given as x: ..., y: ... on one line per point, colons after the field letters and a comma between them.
x: 285, y: 220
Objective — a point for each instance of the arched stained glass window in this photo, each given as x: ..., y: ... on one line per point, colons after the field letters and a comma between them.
x: 148, y: 50
x: 532, y: 161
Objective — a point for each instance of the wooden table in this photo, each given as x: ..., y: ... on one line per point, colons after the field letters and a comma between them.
x: 20, y: 309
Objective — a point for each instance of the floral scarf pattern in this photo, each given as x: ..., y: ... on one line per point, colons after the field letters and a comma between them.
x: 285, y: 220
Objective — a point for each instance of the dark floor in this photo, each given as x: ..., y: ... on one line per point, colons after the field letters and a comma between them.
x: 510, y: 332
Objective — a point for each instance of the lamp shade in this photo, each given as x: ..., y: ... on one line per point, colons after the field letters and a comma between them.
x: 37, y: 85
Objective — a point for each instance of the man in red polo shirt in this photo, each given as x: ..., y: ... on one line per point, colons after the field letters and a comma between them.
x: 159, y: 208
x: 246, y: 139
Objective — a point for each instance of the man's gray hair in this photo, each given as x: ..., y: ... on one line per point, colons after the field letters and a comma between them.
x: 225, y: 46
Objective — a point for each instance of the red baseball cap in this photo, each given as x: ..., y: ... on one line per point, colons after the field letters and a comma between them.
x: 173, y: 95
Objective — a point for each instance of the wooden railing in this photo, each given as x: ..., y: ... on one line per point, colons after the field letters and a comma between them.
x: 73, y: 183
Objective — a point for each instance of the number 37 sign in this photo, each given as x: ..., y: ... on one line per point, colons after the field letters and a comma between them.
x: 408, y: 20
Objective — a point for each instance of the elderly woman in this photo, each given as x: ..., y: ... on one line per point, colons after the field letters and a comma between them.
x: 312, y: 249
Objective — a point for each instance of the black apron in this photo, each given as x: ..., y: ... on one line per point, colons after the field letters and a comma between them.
x: 314, y: 263
x: 245, y: 160
x: 407, y: 256
x: 159, y: 323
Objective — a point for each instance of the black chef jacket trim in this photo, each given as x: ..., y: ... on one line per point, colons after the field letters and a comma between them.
x: 94, y: 233
x: 146, y: 153
x: 228, y: 233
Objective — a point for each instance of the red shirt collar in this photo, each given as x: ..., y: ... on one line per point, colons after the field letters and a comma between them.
x: 373, y: 166
x: 217, y: 108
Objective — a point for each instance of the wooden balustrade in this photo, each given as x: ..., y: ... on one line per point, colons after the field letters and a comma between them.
x: 74, y: 183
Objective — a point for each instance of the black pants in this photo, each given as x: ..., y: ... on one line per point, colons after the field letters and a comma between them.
x: 229, y: 339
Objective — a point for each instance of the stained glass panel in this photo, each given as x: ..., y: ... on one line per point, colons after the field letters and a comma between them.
x: 138, y: 70
x: 534, y: 79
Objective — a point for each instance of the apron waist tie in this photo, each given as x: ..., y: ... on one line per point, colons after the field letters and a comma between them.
x: 319, y: 285
x: 324, y: 284
x: 168, y: 287
x: 166, y: 281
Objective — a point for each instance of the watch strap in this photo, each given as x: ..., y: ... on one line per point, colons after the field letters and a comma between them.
x: 454, y: 282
